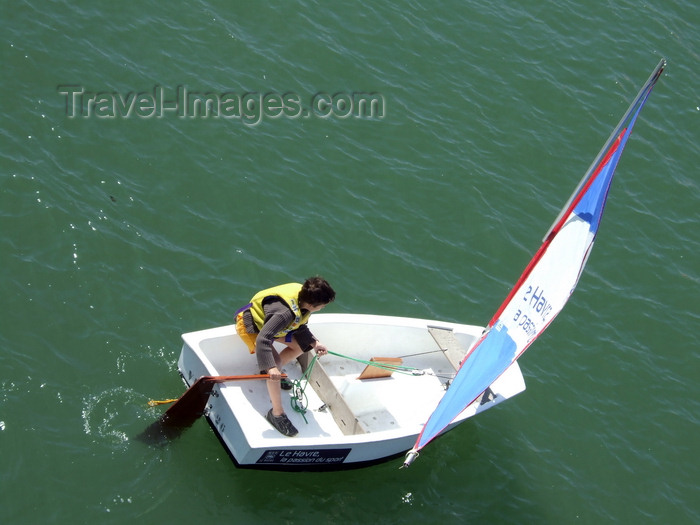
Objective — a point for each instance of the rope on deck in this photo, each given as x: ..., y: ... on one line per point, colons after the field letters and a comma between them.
x: 395, y: 368
x: 300, y: 401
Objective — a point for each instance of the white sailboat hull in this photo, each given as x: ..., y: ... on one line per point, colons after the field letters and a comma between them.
x: 348, y: 421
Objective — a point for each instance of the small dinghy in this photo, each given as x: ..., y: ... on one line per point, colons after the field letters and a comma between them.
x: 351, y: 412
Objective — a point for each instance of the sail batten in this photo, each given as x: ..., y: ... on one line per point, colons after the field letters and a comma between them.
x: 545, y: 285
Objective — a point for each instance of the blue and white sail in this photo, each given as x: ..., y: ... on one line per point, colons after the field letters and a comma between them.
x: 544, y: 287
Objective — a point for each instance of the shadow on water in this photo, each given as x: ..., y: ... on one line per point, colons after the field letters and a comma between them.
x: 159, y: 433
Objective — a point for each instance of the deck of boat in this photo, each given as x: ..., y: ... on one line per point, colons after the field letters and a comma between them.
x: 347, y: 418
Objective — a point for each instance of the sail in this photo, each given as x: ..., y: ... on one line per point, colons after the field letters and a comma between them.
x: 544, y: 287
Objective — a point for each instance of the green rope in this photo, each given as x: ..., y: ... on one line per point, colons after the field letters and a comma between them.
x: 300, y: 401
x: 396, y: 368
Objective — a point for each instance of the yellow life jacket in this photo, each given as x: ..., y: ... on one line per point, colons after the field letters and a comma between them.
x: 289, y: 293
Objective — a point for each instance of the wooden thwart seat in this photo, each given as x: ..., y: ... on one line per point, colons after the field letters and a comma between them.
x: 446, y: 340
x: 339, y: 409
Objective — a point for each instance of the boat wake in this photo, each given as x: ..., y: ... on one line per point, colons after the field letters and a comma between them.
x: 110, y: 417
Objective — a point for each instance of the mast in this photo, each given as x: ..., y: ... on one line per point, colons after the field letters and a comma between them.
x: 640, y: 98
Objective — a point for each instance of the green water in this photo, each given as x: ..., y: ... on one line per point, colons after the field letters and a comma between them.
x: 124, y: 224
